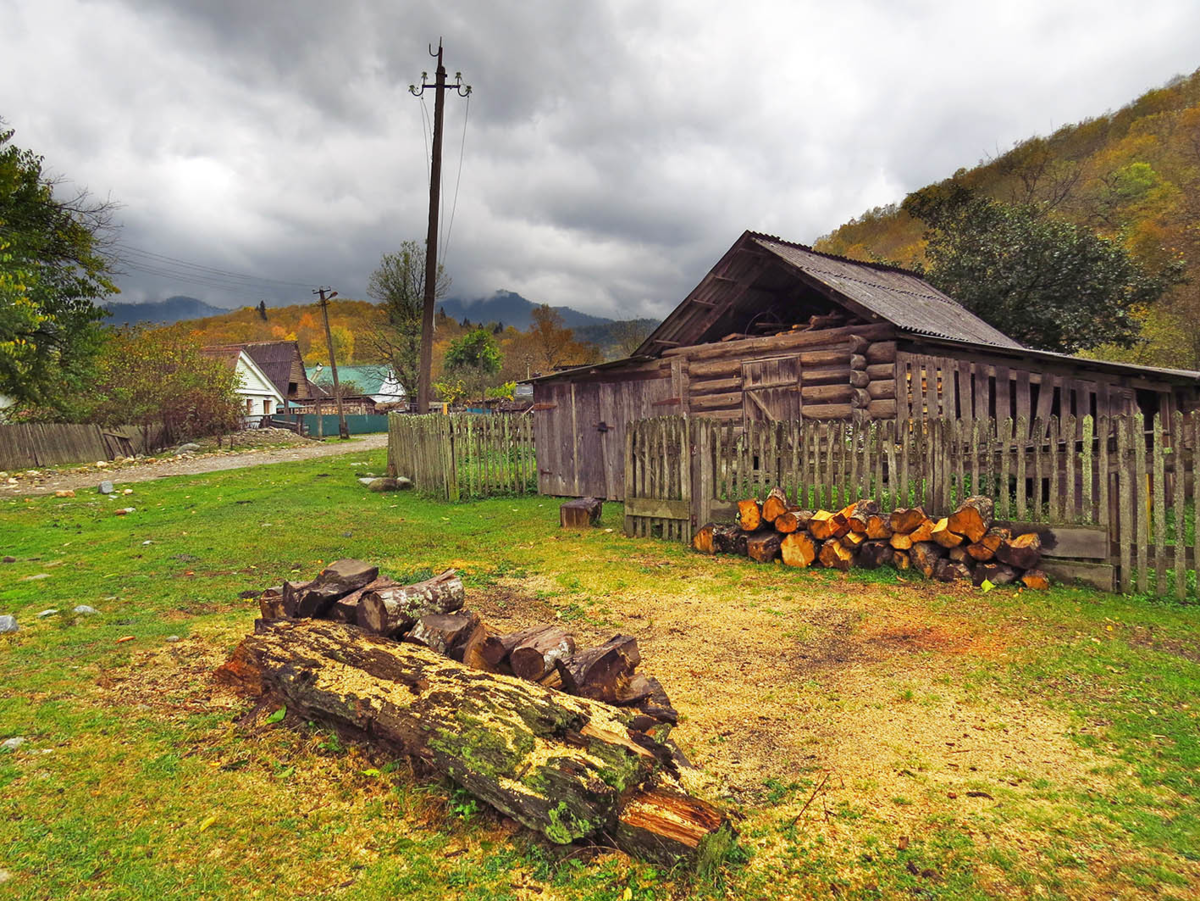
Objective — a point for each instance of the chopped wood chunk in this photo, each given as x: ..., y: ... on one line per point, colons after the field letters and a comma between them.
x: 878, y: 527
x: 996, y: 573
x: 749, y: 515
x: 447, y: 633
x: 580, y: 513
x: 1023, y: 551
x: 873, y: 554
x: 923, y: 532
x: 906, y: 519
x: 798, y: 549
x: 534, y: 656
x: 949, y: 571
x: 860, y: 513
x: 763, y: 545
x: 985, y: 548
x: 1036, y: 579
x: 835, y: 555
x: 973, y: 518
x: 925, y: 555
x: 942, y: 535
x: 393, y: 611
x: 775, y: 505
x: 901, y: 560
x: 603, y: 672
x: 825, y: 525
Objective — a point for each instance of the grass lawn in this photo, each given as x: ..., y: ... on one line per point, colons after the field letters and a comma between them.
x: 875, y: 738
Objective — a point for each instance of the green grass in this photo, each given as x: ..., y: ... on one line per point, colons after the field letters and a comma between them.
x: 154, y: 786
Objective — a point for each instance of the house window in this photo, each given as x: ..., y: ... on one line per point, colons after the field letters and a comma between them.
x: 267, y: 407
x: 291, y: 388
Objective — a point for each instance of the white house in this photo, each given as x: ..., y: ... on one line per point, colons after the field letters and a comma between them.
x: 259, y: 394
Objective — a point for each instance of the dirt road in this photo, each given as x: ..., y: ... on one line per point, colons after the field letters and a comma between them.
x: 52, y: 481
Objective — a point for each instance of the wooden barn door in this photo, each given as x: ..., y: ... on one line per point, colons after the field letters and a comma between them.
x: 771, y: 390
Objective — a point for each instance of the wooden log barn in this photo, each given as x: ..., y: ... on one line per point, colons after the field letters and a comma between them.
x: 778, y: 331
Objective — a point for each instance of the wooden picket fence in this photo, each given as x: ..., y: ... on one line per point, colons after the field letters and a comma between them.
x: 1126, y: 492
x: 463, y: 455
x: 34, y: 445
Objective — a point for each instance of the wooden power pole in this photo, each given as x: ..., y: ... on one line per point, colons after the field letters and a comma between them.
x: 431, y: 238
x: 343, y: 429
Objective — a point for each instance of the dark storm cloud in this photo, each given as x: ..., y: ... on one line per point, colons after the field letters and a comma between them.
x: 614, y: 150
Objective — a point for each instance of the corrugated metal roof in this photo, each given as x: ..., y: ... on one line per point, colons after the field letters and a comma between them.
x: 903, y: 298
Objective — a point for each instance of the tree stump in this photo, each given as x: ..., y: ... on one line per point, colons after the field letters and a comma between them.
x: 581, y: 513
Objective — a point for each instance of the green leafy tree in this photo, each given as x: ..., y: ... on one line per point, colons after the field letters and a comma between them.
x: 53, y: 269
x: 399, y: 287
x: 474, y: 359
x: 1043, y: 281
x: 159, y: 379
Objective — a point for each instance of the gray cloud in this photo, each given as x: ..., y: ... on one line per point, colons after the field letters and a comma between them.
x: 614, y: 149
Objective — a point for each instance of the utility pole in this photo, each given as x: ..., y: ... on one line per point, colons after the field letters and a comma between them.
x: 343, y: 429
x: 431, y: 239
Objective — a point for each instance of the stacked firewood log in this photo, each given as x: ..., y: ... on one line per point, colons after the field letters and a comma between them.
x: 575, y: 746
x: 964, y: 546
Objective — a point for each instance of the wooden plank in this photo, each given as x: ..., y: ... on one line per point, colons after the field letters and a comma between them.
x: 1194, y: 459
x: 1054, y: 489
x: 1104, y: 477
x: 1179, y: 532
x: 1023, y: 393
x: 982, y: 377
x: 903, y: 395
x: 1159, y: 509
x: 889, y: 438
x: 1125, y: 479
x: 1141, y: 501
x: 1075, y: 542
x: 1003, y: 393
x: 1100, y: 576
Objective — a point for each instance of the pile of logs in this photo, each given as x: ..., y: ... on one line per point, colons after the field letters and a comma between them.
x: 569, y: 741
x: 964, y: 546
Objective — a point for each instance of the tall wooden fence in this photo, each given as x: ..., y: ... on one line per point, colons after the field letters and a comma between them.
x: 463, y: 455
x: 1125, y: 491
x: 33, y: 445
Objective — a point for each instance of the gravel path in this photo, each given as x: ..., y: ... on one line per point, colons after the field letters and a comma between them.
x: 161, y: 469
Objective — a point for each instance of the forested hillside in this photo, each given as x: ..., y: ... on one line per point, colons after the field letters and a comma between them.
x: 1132, y: 176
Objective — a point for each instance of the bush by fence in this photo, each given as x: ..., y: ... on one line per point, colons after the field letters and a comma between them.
x: 463, y: 455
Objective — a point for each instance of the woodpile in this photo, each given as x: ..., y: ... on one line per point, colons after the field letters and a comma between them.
x: 570, y: 741
x: 961, y: 547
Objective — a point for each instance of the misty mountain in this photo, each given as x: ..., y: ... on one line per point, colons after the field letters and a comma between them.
x: 162, y: 312
x: 511, y: 309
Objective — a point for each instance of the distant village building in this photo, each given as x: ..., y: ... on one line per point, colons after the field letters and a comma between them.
x: 260, y: 398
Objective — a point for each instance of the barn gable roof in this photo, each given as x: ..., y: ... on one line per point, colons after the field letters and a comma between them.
x: 278, y: 360
x: 748, y: 275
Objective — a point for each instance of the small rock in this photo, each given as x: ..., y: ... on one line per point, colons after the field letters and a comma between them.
x: 127, y: 491
x: 172, y: 638
x: 106, y: 487
x: 5, y: 876
x: 123, y: 510
x: 383, y: 485
x: 145, y: 543
x: 53, y: 611
x: 64, y: 492
x: 347, y: 534
x: 366, y: 481
x: 35, y: 578
x: 10, y: 559
x: 85, y: 610
x: 11, y: 744
x: 188, y: 448
x: 8, y: 624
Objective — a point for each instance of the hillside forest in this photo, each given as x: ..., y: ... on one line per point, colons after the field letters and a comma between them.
x: 1130, y: 176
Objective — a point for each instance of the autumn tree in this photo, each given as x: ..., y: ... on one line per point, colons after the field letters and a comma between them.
x: 554, y: 344
x: 160, y: 379
x: 53, y: 270
x: 399, y: 287
x: 473, y: 360
x: 1040, y: 279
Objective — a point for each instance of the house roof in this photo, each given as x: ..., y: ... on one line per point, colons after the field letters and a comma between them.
x: 230, y: 354
x: 275, y: 358
x: 748, y: 276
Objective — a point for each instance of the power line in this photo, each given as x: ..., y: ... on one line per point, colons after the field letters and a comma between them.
x: 458, y: 178
x: 156, y: 258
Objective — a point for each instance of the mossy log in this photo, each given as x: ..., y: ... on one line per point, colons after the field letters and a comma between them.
x: 393, y: 611
x: 567, y: 767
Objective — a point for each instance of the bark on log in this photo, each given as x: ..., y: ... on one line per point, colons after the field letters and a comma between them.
x: 925, y: 555
x: 873, y: 554
x: 602, y: 673
x: 882, y: 352
x: 730, y: 539
x: 763, y: 545
x: 798, y: 549
x: 775, y: 505
x: 704, y: 540
x: 788, y: 521
x: 291, y: 597
x: 558, y: 764
x: 972, y: 518
x: 819, y: 412
x: 907, y: 519
x: 446, y: 633
x: 949, y: 571
x: 484, y: 651
x: 859, y: 379
x: 942, y: 534
x: 959, y: 554
x: 1036, y: 579
x: 985, y: 548
x: 337, y: 580
x: 533, y: 658
x: 996, y: 573
x: 270, y: 603
x: 393, y: 611
x: 883, y: 389
x: 749, y: 515
x: 835, y: 555
x: 1023, y: 551
x: 883, y: 408
x: 345, y: 610
x: 858, y: 515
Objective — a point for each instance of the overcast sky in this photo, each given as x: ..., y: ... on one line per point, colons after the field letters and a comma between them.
x: 613, y: 150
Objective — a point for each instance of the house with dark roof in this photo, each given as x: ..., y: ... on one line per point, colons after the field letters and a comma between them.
x: 260, y: 397
x: 776, y: 331
x: 281, y: 362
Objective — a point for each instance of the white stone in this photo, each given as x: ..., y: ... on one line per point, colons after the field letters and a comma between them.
x: 11, y: 744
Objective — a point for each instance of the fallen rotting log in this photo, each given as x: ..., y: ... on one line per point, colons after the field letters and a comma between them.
x: 568, y: 767
x: 391, y: 611
x: 534, y: 655
x: 602, y: 673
